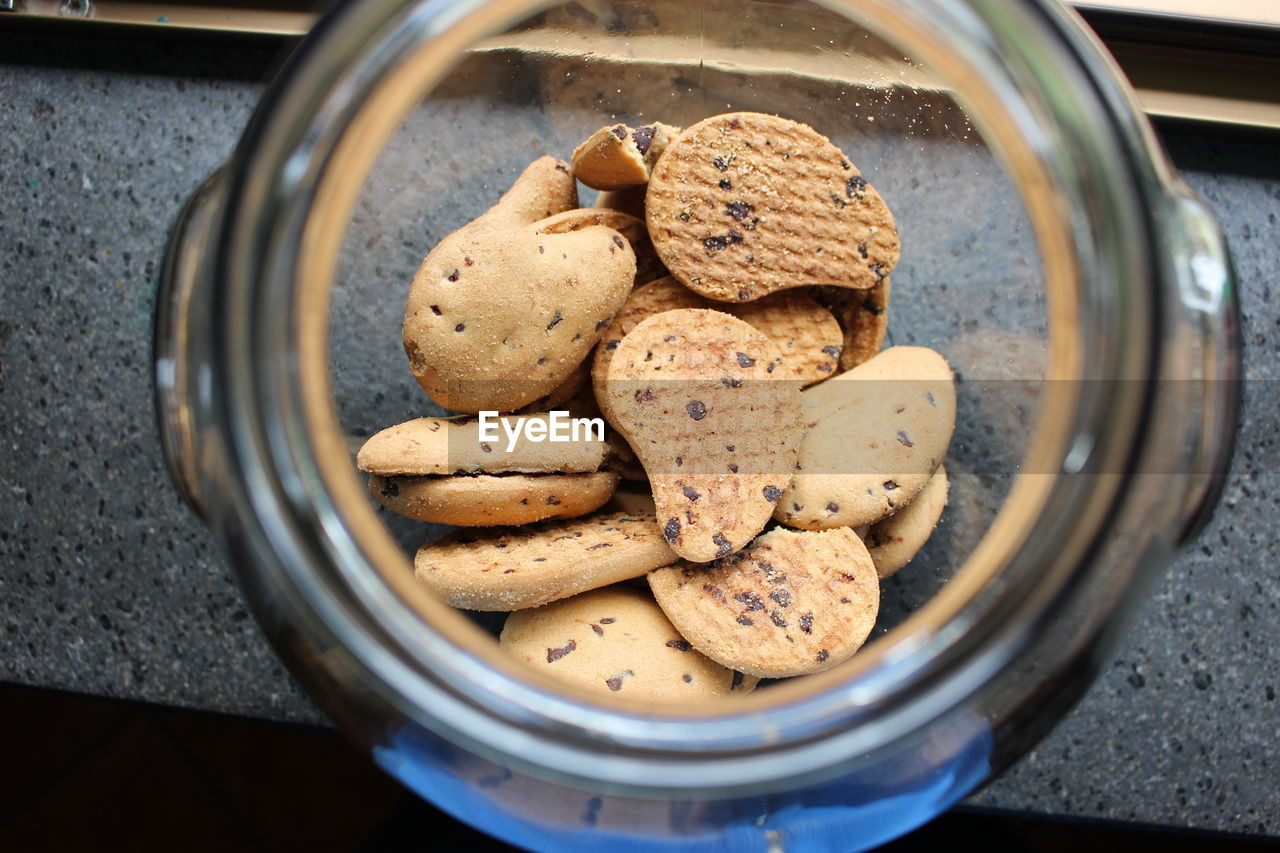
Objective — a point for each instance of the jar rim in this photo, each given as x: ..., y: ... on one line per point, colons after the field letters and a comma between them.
x: 335, y: 556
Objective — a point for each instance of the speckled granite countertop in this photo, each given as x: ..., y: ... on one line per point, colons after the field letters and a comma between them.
x: 108, y: 585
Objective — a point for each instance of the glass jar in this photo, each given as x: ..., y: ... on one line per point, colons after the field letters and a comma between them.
x: 1084, y: 296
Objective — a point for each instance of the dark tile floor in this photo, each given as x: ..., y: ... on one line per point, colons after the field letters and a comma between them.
x: 81, y: 773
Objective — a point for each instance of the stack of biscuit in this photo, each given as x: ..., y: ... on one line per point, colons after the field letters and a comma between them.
x: 723, y: 309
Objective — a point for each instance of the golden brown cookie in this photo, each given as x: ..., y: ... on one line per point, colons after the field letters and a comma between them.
x: 894, y: 541
x: 864, y: 319
x: 616, y: 642
x: 486, y: 500
x: 874, y: 436
x: 744, y: 204
x: 648, y: 266
x: 499, y: 315
x: 511, y: 568
x: 617, y: 156
x: 805, y: 332
x: 630, y: 200
x: 444, y: 446
x: 790, y: 603
x: 693, y: 393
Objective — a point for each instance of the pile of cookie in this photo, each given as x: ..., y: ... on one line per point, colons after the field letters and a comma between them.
x: 722, y: 309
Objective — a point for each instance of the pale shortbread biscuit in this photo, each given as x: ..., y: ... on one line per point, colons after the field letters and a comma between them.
x: 617, y: 156
x: 873, y: 438
x: 805, y: 332
x: 617, y: 642
x: 444, y: 446
x: 863, y: 316
x: 511, y: 568
x: 693, y: 393
x: 499, y: 314
x: 486, y: 500
x: 894, y: 541
x: 790, y: 603
x: 744, y: 204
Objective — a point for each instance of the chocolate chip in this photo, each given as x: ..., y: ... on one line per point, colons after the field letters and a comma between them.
x: 856, y: 185
x: 745, y: 360
x: 554, y: 655
x: 485, y: 447
x: 453, y: 276
x: 837, y: 201
x: 691, y: 494
x: 620, y: 131
x: 771, y: 366
x: 618, y: 241
x: 862, y: 250
x: 644, y: 396
x: 669, y: 338
x: 772, y: 494
x: 729, y: 447
x: 738, y: 210
x: 696, y: 409
x: 615, y: 683
x: 725, y: 184
x: 733, y: 469
x: 713, y: 590
x: 750, y: 599
x: 776, y: 618
x: 390, y: 488
x: 825, y: 368
x: 679, y: 461
x: 561, y: 167
x: 834, y: 352
x: 555, y: 321
x: 608, y: 620
x: 679, y: 645
x: 731, y: 382
x: 833, y: 507
x: 734, y: 236
x: 542, y: 250
x: 890, y: 485
x: 552, y: 500
x: 928, y: 395
x: 644, y: 138
x: 806, y: 623
x: 715, y: 244
x: 878, y: 269
x: 904, y: 438
x: 822, y: 656
x: 599, y: 631
x: 781, y: 597
x: 466, y: 262
x: 723, y: 545
x: 601, y: 545
x: 612, y: 345
x: 744, y: 293
x: 688, y: 679
x: 460, y: 327
x: 671, y: 530
x: 722, y: 163
x: 435, y: 309
x: 746, y: 620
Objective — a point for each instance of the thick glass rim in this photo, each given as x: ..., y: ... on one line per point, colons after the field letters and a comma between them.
x: 364, y: 66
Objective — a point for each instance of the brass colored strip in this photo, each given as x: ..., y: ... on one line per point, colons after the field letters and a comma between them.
x: 1172, y: 81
